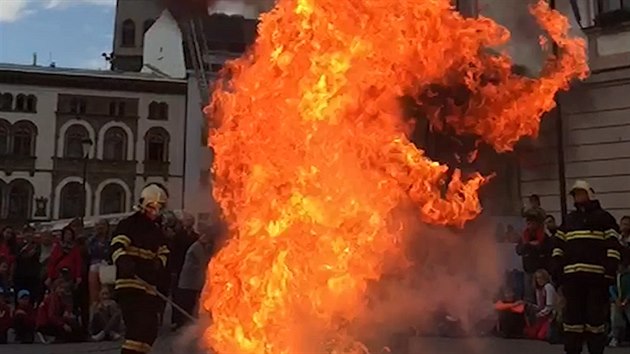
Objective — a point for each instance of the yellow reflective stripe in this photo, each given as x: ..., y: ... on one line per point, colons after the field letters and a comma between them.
x: 583, y: 267
x: 163, y: 259
x: 561, y: 235
x: 594, y: 235
x: 133, y: 284
x: 136, y: 346
x: 117, y: 253
x: 163, y: 250
x: 141, y: 252
x: 595, y: 329
x: 612, y: 233
x: 122, y: 239
x: 573, y: 328
x: 613, y: 254
x: 557, y: 252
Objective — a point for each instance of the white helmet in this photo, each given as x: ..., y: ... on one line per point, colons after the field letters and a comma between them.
x: 153, y: 194
x: 583, y: 185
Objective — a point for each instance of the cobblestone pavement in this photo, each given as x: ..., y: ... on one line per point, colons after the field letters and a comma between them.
x: 418, y: 346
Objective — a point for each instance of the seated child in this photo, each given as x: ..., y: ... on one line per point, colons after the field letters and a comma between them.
x: 5, y: 315
x: 106, y: 321
x: 55, y: 317
x: 620, y: 307
x: 24, y: 318
x: 540, y: 315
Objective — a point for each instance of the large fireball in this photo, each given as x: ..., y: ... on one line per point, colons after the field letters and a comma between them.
x: 312, y: 156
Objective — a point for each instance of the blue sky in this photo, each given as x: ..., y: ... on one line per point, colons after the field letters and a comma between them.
x: 73, y: 32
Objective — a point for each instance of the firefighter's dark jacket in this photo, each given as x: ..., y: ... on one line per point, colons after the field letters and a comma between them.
x: 586, y: 247
x: 139, y: 251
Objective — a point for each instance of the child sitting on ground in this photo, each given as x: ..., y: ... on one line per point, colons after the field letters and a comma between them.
x: 55, y: 317
x: 620, y: 307
x: 540, y: 315
x: 24, y: 318
x: 106, y: 321
x: 5, y: 315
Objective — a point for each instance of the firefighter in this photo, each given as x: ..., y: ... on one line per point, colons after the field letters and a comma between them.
x: 140, y: 254
x: 585, y: 258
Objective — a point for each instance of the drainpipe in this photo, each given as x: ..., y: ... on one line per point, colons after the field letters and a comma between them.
x: 560, y: 140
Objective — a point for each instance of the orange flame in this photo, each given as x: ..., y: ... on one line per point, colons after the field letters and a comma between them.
x: 312, y: 157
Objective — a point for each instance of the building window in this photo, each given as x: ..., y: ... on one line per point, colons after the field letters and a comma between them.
x: 158, y: 111
x: 5, y: 131
x: 128, y: 33
x: 147, y: 24
x: 20, y: 197
x: 31, y: 103
x: 6, y: 102
x: 117, y: 109
x: 156, y: 140
x: 78, y: 105
x: 24, y: 136
x: 20, y: 103
x: 73, y: 141
x: 71, y: 200
x: 112, y: 199
x: 115, y: 144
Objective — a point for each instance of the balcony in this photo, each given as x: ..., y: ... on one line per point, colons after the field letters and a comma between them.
x: 113, y: 167
x: 156, y: 168
x: 12, y: 163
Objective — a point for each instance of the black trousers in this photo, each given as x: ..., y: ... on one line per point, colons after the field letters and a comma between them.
x: 140, y: 314
x: 24, y: 329
x: 187, y: 299
x: 586, y: 315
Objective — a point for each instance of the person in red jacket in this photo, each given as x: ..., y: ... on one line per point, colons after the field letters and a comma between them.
x: 55, y: 317
x: 65, y: 255
x: 5, y: 315
x: 24, y: 318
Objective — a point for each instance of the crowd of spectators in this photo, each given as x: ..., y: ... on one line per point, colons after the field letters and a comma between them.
x: 531, y: 305
x: 50, y: 281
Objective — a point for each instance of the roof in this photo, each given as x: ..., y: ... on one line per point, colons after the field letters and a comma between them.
x: 33, y: 75
x: 87, y: 72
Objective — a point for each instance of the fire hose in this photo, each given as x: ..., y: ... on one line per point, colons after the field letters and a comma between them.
x: 167, y: 300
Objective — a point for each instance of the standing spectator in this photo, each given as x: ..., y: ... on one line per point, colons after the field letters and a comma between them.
x: 534, y: 211
x: 65, y: 254
x: 586, y: 258
x: 46, y: 246
x: 620, y: 308
x: 82, y: 289
x: 24, y: 318
x: 55, y: 317
x: 5, y: 276
x: 184, y: 237
x: 532, y: 248
x: 192, y: 277
x: 624, y: 225
x: 8, y: 246
x: 5, y: 315
x: 27, y: 266
x: 98, y: 247
x: 106, y: 319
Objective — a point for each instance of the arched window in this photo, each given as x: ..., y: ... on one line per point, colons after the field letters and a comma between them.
x: 128, y: 33
x: 20, y: 103
x: 24, y: 137
x: 147, y: 24
x: 156, y: 145
x: 6, y: 102
x: 163, y: 111
x: 115, y: 144
x: 71, y: 201
x: 112, y: 199
x: 73, y: 141
x: 20, y: 199
x: 5, y: 133
x: 158, y: 111
x: 31, y: 103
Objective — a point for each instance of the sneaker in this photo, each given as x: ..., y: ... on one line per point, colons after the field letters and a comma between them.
x: 115, y: 336
x: 98, y: 337
x: 614, y: 343
x: 42, y: 338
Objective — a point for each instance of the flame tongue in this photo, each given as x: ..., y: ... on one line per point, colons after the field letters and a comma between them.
x: 312, y: 159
